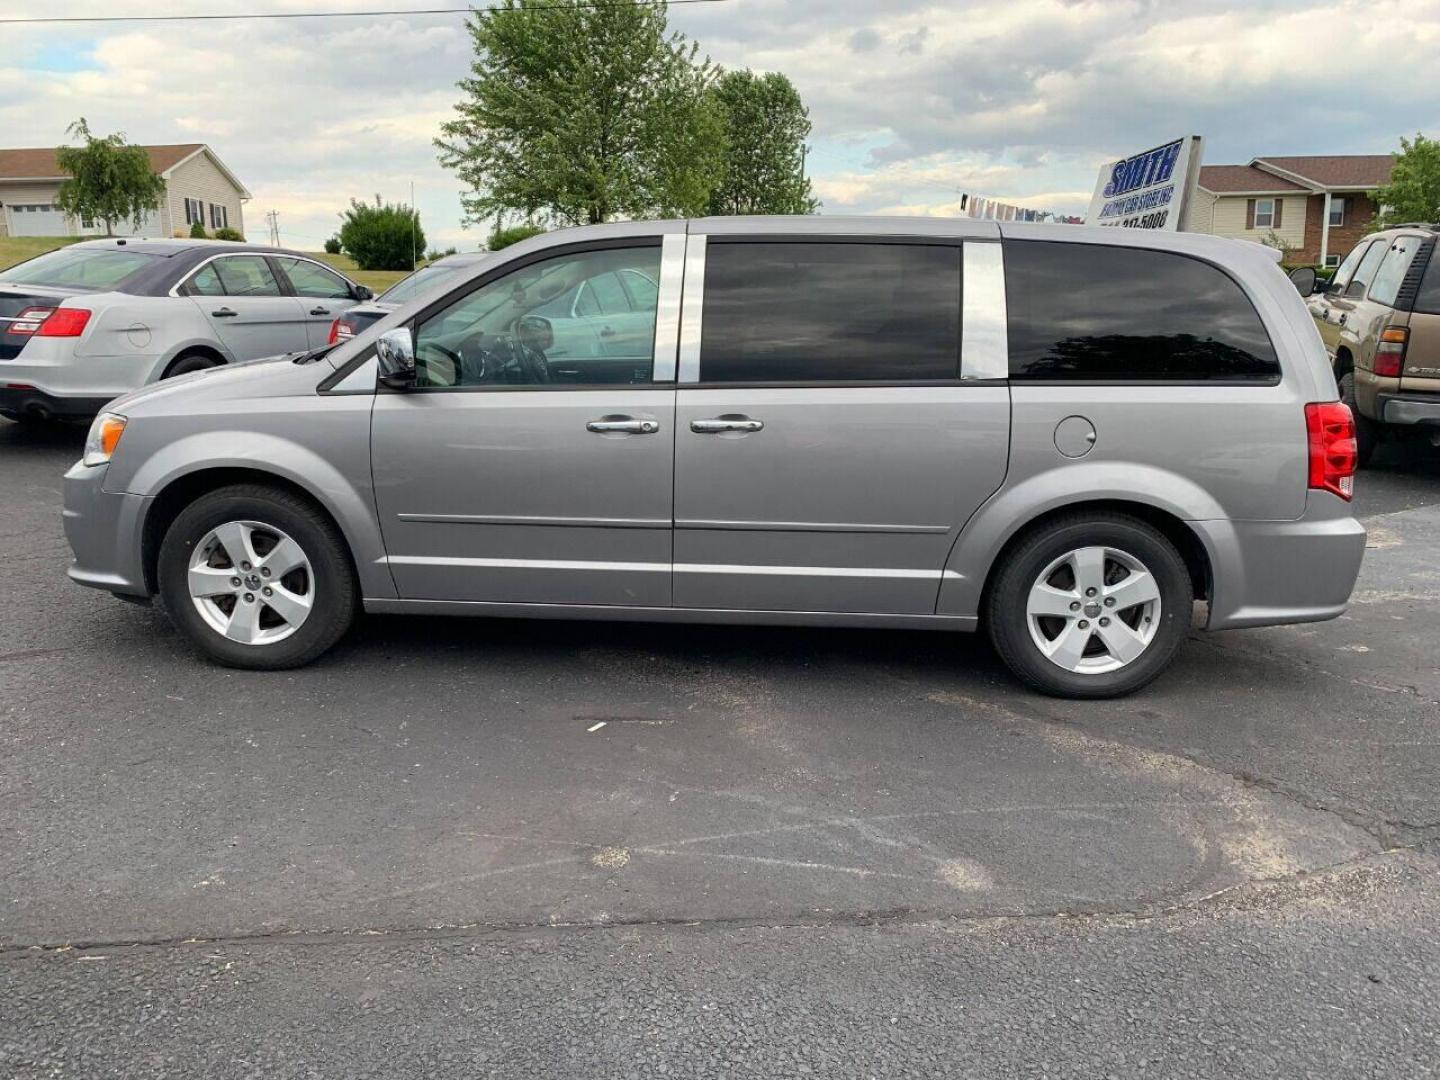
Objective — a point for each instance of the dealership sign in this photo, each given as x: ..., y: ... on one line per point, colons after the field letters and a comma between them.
x: 1149, y: 190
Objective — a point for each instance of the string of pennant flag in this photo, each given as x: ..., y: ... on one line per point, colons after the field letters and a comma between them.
x: 987, y: 209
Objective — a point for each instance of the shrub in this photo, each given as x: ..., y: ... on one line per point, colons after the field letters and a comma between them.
x: 332, y: 246
x: 503, y: 238
x: 197, y: 231
x: 227, y: 233
x: 382, y: 237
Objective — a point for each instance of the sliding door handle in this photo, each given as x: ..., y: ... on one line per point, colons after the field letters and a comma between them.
x: 725, y: 423
x: 624, y: 425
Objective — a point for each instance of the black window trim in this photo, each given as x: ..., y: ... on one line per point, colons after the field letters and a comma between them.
x: 1270, y: 381
x: 495, y: 273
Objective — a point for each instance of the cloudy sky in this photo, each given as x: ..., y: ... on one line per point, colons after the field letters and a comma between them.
x: 913, y: 102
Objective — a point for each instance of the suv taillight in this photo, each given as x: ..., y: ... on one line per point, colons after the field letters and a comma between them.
x: 340, y: 330
x: 1333, y: 453
x: 1390, y: 352
x: 50, y: 322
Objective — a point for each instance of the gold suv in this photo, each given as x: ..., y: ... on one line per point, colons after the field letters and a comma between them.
x: 1380, y: 318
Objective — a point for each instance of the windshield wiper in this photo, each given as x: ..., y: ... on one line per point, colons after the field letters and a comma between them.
x: 313, y: 354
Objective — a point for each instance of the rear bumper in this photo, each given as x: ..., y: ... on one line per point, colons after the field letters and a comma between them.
x: 48, y: 371
x: 105, y: 531
x: 24, y: 400
x: 1408, y: 409
x: 1266, y: 573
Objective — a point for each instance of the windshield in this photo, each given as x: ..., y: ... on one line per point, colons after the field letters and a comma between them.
x: 422, y: 280
x: 79, y: 268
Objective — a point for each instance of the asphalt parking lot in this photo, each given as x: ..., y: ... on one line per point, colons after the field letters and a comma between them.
x: 491, y: 848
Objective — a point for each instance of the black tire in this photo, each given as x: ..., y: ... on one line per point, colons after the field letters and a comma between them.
x: 1367, y: 432
x: 185, y: 363
x: 1008, y: 624
x: 335, y: 591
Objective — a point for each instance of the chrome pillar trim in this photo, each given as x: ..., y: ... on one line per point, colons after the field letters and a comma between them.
x: 984, y: 337
x: 691, y: 310
x: 667, y: 307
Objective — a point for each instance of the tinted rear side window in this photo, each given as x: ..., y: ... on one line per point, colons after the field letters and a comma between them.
x: 842, y: 312
x: 1427, y: 301
x: 1086, y: 312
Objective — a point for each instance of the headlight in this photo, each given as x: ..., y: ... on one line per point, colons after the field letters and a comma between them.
x: 104, y: 437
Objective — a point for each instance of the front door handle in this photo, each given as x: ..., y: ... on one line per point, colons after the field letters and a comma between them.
x: 625, y: 425
x: 725, y: 423
x: 224, y: 313
x: 607, y: 332
x: 319, y: 311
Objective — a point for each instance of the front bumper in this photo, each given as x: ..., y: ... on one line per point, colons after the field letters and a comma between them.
x: 1266, y: 573
x: 105, y: 530
x: 1408, y: 408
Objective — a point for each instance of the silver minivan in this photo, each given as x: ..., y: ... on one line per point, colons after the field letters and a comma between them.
x: 1064, y: 435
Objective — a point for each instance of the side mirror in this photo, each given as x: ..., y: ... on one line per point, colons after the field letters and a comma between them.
x: 363, y: 293
x: 395, y: 355
x: 1303, y: 278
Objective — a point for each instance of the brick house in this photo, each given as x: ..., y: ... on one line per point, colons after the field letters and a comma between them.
x: 198, y: 187
x: 1317, y: 206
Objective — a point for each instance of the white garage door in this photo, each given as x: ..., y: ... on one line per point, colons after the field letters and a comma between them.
x: 36, y: 219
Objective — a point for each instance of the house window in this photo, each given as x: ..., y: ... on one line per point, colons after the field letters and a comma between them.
x: 1337, y: 211
x: 217, y: 216
x: 1264, y: 213
x: 194, y: 212
x: 1332, y: 260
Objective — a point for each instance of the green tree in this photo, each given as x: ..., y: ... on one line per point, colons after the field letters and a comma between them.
x: 385, y: 236
x: 1413, y: 193
x: 766, y: 126
x: 110, y: 180
x: 504, y: 236
x: 577, y: 112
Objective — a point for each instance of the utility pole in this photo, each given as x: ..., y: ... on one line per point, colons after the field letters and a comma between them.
x: 273, y: 218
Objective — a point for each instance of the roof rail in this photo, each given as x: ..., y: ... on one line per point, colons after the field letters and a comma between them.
x: 1431, y: 225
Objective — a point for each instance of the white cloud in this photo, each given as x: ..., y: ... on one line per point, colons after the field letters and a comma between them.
x: 913, y: 101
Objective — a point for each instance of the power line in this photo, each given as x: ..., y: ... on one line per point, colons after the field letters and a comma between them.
x: 330, y: 14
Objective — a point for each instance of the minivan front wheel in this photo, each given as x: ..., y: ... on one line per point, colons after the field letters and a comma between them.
x: 1090, y: 606
x: 257, y: 578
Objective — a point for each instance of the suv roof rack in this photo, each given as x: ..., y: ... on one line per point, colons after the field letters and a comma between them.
x: 1432, y: 226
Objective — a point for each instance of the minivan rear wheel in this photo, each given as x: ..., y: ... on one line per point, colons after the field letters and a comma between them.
x: 1090, y: 606
x: 257, y: 577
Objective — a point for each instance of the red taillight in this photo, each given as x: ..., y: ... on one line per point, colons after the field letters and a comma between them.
x: 1390, y: 352
x: 65, y: 322
x: 340, y: 330
x: 1333, y: 453
x: 50, y: 322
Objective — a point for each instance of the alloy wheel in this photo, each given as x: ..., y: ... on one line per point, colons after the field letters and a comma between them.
x: 1093, y: 610
x: 251, y: 583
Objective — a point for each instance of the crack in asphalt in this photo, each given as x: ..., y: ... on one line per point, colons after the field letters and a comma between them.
x: 901, y: 916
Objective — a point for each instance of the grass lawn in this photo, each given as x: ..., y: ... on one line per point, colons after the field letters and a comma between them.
x: 14, y: 249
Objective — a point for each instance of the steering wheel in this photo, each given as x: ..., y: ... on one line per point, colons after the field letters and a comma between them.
x: 537, y: 368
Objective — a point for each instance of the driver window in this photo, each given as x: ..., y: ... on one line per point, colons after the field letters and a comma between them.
x: 512, y: 331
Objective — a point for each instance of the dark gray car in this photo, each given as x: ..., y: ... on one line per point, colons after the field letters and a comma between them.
x: 1064, y: 435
